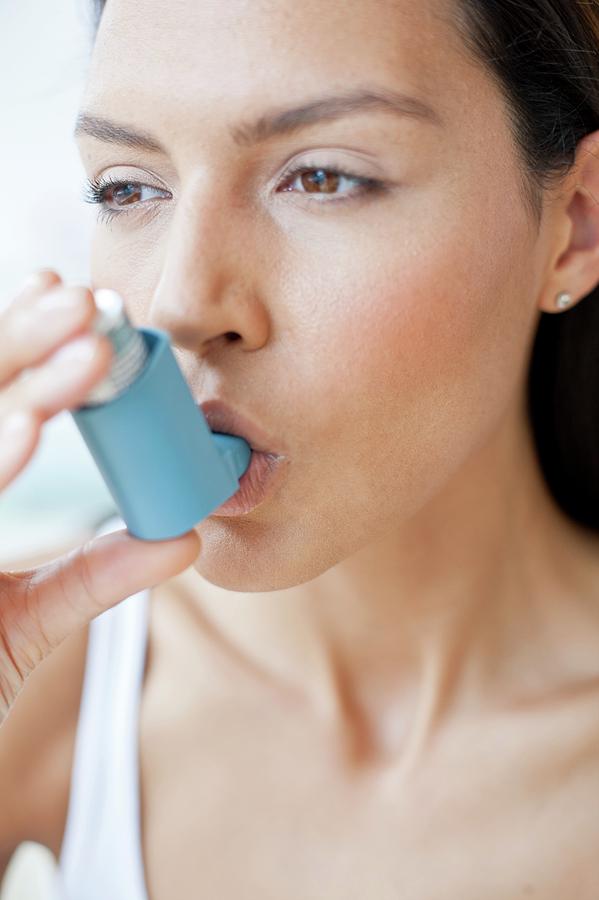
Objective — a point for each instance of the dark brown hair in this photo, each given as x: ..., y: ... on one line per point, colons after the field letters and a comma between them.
x: 544, y: 56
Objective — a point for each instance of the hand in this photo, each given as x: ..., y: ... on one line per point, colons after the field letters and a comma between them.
x: 49, y: 361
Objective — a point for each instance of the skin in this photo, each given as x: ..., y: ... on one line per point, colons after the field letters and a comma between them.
x: 412, y: 574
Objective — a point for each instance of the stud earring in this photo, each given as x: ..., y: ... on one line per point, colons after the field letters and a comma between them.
x: 563, y: 300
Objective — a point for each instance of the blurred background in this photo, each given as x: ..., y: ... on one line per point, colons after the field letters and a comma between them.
x: 59, y: 499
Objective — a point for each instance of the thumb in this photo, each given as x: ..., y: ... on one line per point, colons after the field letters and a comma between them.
x: 62, y: 596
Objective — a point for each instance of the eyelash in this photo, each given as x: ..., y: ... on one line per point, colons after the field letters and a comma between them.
x: 95, y: 189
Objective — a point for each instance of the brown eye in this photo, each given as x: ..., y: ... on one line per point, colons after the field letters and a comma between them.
x: 117, y: 197
x: 123, y: 194
x: 320, y: 181
x: 328, y: 180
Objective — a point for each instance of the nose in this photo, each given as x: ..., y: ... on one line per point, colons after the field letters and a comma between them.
x: 207, y: 296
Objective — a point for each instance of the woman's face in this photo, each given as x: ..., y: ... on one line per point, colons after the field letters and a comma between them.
x: 383, y: 333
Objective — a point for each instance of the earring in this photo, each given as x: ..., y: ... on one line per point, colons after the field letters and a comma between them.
x: 563, y: 300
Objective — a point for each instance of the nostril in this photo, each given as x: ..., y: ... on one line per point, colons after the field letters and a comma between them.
x: 232, y: 336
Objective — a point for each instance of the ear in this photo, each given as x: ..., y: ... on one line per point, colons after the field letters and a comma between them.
x: 576, y: 266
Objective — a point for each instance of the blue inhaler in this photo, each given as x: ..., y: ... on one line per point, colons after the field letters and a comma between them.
x: 164, y: 467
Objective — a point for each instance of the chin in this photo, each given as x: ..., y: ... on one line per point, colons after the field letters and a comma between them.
x: 255, y: 557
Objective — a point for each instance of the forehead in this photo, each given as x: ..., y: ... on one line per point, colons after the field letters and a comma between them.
x: 226, y: 51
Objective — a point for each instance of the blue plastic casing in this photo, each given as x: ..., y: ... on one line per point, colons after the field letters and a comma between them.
x: 164, y: 467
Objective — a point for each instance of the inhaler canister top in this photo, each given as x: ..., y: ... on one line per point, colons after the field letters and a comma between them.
x: 163, y: 466
x: 130, y: 350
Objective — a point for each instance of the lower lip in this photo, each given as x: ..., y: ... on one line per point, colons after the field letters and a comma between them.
x: 257, y: 482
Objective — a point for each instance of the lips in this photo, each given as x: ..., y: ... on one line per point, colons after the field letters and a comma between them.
x: 225, y: 420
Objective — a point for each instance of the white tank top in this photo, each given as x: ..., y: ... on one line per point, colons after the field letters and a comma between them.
x: 101, y: 853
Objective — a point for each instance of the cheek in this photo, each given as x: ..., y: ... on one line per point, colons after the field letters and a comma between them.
x: 420, y: 345
x: 128, y: 262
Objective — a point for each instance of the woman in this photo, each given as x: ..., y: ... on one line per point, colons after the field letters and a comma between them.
x: 372, y: 230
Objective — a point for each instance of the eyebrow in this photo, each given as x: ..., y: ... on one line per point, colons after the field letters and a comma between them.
x: 275, y: 123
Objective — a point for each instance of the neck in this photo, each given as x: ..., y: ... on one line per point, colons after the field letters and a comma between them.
x: 451, y: 611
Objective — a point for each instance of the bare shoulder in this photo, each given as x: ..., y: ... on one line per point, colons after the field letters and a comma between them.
x: 36, y: 748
